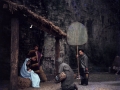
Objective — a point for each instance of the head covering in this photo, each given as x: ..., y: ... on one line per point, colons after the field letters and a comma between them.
x: 31, y: 53
x: 35, y: 45
x: 81, y: 50
x: 60, y: 60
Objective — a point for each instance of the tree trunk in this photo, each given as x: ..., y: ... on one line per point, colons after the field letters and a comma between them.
x: 14, y: 53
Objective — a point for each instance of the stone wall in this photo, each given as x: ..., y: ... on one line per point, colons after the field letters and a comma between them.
x: 101, y: 19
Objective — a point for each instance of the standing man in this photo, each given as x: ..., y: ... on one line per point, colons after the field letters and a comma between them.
x: 83, y: 66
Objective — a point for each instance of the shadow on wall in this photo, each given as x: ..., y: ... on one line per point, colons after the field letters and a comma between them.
x: 5, y: 71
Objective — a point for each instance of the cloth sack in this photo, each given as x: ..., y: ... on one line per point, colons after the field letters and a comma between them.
x: 62, y: 76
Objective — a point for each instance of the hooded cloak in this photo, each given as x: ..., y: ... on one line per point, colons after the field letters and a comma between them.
x: 30, y: 74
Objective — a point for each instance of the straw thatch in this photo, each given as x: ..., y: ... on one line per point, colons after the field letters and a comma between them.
x: 24, y: 82
x: 34, y: 19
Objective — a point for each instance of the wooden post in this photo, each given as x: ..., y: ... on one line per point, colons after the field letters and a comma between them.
x: 14, y: 53
x: 57, y: 54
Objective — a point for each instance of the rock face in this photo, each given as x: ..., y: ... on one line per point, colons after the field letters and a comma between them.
x: 101, y: 18
x: 102, y: 22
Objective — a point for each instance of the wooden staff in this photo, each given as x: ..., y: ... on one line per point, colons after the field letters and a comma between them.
x: 78, y: 64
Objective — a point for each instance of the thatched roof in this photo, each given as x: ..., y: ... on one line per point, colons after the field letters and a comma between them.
x: 33, y: 18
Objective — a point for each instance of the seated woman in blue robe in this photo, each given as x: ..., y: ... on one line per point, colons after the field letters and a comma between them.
x: 26, y: 71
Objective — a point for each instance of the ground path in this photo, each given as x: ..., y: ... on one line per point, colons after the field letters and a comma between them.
x: 109, y: 85
x: 97, y: 81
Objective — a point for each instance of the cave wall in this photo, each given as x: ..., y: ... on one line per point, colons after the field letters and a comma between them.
x: 102, y: 21
x: 101, y: 17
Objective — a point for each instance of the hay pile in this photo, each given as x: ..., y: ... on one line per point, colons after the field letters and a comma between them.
x: 24, y: 82
x: 43, y: 77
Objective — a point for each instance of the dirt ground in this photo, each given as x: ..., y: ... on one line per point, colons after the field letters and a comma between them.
x: 97, y: 81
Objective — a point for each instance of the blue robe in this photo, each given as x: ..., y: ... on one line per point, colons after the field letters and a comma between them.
x: 30, y: 74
